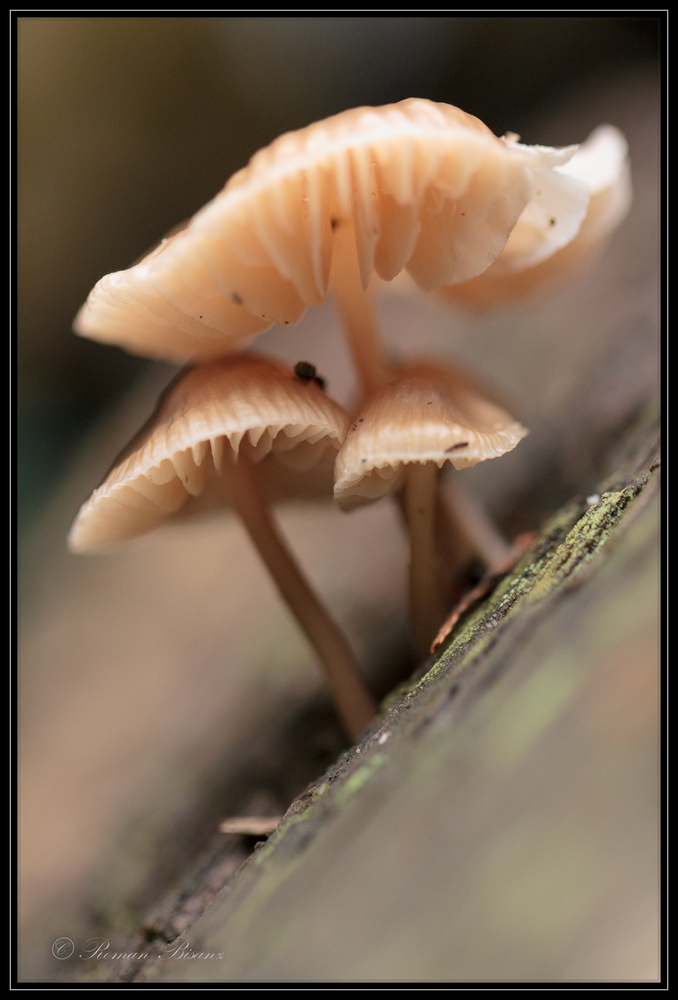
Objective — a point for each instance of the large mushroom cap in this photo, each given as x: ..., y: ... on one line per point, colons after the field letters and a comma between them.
x: 527, y: 264
x: 426, y: 414
x: 239, y: 406
x: 424, y: 185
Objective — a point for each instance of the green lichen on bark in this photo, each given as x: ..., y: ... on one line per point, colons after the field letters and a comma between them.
x: 557, y: 560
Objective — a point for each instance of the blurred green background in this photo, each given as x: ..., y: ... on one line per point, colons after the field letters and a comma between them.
x: 128, y: 125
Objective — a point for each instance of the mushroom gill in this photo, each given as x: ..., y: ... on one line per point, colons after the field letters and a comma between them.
x: 422, y: 185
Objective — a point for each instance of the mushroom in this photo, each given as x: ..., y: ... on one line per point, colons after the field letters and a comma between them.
x: 422, y: 418
x: 416, y: 184
x: 223, y: 432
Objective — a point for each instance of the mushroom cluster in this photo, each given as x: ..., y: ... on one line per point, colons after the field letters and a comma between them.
x: 415, y: 186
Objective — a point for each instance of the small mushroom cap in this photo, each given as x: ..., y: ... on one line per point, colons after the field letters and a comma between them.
x: 425, y: 186
x: 243, y: 407
x: 528, y: 262
x: 426, y: 414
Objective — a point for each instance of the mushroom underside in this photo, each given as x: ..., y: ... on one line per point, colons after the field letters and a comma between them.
x: 424, y: 187
x: 189, y: 484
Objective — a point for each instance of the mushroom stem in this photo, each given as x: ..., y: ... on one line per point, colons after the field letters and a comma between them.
x: 473, y: 521
x: 454, y: 546
x: 356, y: 310
x: 420, y: 502
x: 355, y: 705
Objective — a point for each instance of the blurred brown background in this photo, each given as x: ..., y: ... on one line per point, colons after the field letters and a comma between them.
x: 162, y: 677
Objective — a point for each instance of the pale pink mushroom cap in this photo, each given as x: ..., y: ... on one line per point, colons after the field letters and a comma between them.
x: 426, y: 414
x: 426, y: 187
x: 241, y: 408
